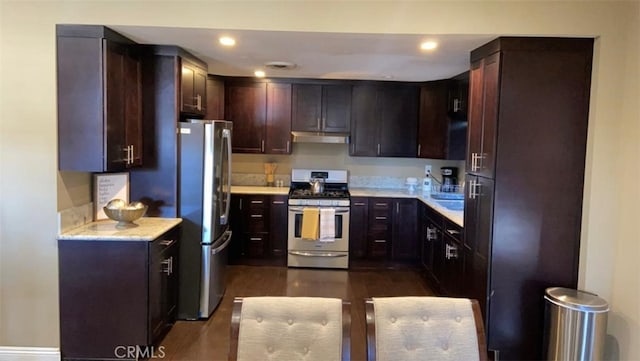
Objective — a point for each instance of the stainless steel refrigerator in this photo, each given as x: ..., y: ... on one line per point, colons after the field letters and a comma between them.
x: 204, y: 185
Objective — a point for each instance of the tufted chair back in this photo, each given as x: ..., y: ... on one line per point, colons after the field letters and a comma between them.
x: 424, y: 328
x: 290, y: 328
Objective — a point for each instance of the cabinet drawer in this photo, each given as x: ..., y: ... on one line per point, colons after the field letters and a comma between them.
x: 378, y: 244
x: 256, y: 245
x: 453, y: 230
x: 256, y: 221
x: 380, y: 204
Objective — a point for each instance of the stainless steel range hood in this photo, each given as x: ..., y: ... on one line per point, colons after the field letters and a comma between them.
x: 320, y: 137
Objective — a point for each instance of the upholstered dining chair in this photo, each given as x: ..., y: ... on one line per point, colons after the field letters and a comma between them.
x: 424, y: 328
x: 290, y: 328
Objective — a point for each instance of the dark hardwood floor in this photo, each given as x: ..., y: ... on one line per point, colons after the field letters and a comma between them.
x: 209, y: 339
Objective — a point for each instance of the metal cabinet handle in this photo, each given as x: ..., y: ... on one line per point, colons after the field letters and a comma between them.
x: 378, y: 149
x: 256, y: 216
x: 318, y: 121
x: 278, y: 202
x: 168, y: 263
x: 381, y: 204
x: 166, y: 242
x: 419, y: 146
x: 380, y: 240
x: 381, y: 218
x: 262, y: 146
x: 474, y: 189
x: 255, y: 239
x: 128, y: 150
x: 358, y: 203
x: 432, y: 233
x: 288, y: 146
x: 256, y: 202
x: 451, y: 252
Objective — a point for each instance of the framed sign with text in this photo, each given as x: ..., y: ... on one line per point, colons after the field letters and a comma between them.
x: 107, y: 187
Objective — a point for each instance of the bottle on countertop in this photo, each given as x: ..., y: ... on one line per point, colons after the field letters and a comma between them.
x: 426, y: 183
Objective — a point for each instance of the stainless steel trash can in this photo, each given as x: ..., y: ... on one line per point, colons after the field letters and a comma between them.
x: 575, y: 324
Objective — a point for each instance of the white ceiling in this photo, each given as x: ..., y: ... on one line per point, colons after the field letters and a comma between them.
x: 319, y: 55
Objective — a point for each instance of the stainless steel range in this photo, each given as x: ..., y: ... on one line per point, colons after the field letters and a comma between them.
x: 331, y: 199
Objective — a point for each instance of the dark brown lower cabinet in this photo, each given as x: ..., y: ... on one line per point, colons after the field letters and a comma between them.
x: 116, y: 294
x: 357, y: 228
x: 383, y: 232
x: 259, y: 225
x: 405, y: 246
x: 443, y: 254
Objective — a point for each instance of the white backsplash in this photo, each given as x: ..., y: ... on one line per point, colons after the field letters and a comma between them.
x: 75, y: 216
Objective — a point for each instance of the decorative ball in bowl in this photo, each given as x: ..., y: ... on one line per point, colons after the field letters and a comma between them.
x: 125, y: 214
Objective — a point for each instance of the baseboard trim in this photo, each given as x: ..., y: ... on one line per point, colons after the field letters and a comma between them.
x: 9, y: 353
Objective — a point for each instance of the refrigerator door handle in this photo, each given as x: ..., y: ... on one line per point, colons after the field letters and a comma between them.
x: 225, y: 239
x: 224, y: 218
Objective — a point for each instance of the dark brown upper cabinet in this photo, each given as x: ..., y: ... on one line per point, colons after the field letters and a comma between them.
x: 483, y: 115
x: 194, y: 88
x: 321, y: 108
x: 215, y: 97
x: 442, y: 124
x: 261, y: 116
x: 99, y: 100
x: 384, y: 120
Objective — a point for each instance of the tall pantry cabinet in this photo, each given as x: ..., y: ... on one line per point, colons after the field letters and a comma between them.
x: 528, y: 112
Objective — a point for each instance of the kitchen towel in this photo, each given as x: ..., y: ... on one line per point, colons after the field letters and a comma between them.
x: 327, y: 225
x: 310, y: 223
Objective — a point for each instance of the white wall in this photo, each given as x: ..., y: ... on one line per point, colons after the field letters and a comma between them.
x: 31, y: 191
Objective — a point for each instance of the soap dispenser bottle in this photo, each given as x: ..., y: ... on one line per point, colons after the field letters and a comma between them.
x: 426, y: 181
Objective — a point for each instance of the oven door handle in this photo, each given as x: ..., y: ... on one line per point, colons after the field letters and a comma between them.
x: 300, y: 209
x: 317, y: 254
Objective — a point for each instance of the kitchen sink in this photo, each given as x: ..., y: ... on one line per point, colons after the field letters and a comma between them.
x: 454, y: 205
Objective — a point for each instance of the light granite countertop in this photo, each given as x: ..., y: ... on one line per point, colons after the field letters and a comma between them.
x: 148, y: 229
x: 259, y: 190
x: 456, y: 216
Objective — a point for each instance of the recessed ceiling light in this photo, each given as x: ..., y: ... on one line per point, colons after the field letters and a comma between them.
x: 428, y: 45
x: 227, y: 41
x: 259, y: 73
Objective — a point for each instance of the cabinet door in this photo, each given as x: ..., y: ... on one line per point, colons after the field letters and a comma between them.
x: 398, y: 125
x: 483, y: 115
x: 133, y: 108
x: 307, y: 107
x: 358, y: 227
x: 215, y: 98
x: 163, y: 293
x: 200, y: 91
x: 278, y: 230
x: 278, y: 122
x: 336, y: 108
x: 364, y: 121
x: 478, y: 229
x: 453, y: 266
x: 187, y: 79
x: 237, y: 225
x: 245, y: 106
x: 405, y: 230
x: 193, y: 88
x: 433, y: 123
x: 115, y: 89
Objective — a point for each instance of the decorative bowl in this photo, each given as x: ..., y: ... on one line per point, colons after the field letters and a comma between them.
x: 126, y: 215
